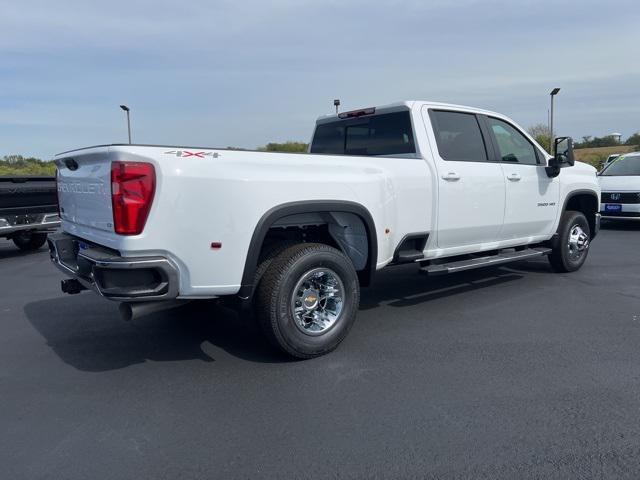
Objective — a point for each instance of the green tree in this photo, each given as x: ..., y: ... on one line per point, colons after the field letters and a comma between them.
x: 542, y: 135
x: 295, y: 147
x: 595, y: 142
x: 15, y: 165
x: 633, y: 139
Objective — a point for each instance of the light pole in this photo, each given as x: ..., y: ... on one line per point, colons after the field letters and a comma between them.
x: 126, y: 109
x: 336, y: 103
x: 553, y: 93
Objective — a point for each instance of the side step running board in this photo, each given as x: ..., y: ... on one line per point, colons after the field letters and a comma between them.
x: 498, y: 259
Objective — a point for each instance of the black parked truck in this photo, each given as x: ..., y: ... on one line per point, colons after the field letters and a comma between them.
x: 28, y: 210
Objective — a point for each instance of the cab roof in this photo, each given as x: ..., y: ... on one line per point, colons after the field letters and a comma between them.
x: 410, y: 105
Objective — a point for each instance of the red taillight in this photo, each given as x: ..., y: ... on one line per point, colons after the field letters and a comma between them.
x: 133, y: 185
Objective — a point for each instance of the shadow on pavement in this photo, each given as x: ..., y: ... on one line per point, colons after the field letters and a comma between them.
x: 540, y: 266
x: 403, y: 287
x: 9, y: 250
x: 88, y: 333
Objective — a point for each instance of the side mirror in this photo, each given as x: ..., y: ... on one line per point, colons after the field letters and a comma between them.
x: 563, y: 151
x: 562, y: 156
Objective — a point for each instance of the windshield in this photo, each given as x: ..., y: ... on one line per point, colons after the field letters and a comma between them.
x: 623, y: 166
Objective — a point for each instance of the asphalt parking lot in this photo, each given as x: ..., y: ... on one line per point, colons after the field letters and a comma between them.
x: 511, y: 372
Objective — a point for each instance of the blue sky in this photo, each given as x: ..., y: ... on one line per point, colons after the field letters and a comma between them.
x: 240, y: 73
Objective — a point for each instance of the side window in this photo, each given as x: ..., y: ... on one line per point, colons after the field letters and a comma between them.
x: 458, y: 136
x: 513, y: 146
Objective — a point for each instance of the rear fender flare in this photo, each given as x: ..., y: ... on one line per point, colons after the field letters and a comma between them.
x: 312, y: 206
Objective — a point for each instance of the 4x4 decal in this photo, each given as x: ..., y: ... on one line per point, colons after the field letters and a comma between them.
x: 187, y: 153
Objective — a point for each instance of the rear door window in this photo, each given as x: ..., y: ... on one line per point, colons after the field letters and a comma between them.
x: 383, y: 134
x: 458, y: 136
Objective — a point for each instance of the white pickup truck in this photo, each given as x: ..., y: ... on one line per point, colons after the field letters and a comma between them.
x: 295, y: 236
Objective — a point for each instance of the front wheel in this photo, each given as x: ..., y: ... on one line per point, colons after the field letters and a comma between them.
x: 28, y: 241
x: 573, y: 243
x: 307, y: 299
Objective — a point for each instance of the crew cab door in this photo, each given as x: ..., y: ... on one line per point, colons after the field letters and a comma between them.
x: 471, y: 188
x: 531, y: 196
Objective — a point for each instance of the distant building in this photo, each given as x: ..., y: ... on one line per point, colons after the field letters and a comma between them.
x: 616, y: 136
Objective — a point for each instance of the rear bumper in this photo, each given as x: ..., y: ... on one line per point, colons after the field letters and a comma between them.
x: 45, y: 222
x: 118, y: 278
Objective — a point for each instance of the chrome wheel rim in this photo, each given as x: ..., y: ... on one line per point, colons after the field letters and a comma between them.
x: 317, y: 301
x: 578, y: 242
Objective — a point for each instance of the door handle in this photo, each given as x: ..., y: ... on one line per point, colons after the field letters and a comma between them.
x: 514, y: 177
x: 451, y: 176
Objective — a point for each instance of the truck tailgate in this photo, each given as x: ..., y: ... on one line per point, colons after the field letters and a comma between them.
x: 84, y: 188
x: 27, y: 195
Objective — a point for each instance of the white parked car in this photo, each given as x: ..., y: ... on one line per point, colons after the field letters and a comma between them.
x: 295, y: 236
x: 620, y: 184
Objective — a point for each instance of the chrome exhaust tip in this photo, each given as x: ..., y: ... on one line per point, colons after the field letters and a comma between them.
x: 133, y: 310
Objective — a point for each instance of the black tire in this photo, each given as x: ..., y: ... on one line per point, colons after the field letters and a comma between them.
x: 28, y: 241
x: 564, y: 257
x: 266, y: 258
x: 275, y: 299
